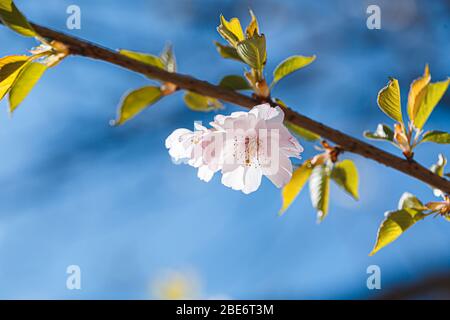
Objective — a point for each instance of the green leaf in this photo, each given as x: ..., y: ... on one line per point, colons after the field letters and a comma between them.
x: 168, y: 58
x: 135, y: 102
x: 227, y: 52
x: 253, y: 51
x: 436, y: 137
x: 345, y: 174
x: 389, y: 100
x: 6, y: 5
x: 439, y: 167
x: 24, y: 83
x: 10, y: 68
x: 395, y: 223
x: 417, y: 91
x: 290, y: 65
x: 14, y: 19
x: 302, y: 132
x: 434, y: 93
x: 146, y: 58
x: 383, y: 132
x: 236, y: 83
x: 409, y: 201
x: 197, y: 102
x: 293, y: 188
x: 319, y: 188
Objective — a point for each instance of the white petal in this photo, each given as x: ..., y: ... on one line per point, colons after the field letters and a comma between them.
x: 234, y: 179
x: 175, y: 137
x: 205, y: 174
x: 252, y: 180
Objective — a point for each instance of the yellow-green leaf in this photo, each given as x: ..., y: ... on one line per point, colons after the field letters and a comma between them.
x: 293, y: 188
x: 417, y: 91
x: 253, y: 27
x: 231, y: 30
x: 436, y: 137
x: 234, y: 82
x: 253, y: 51
x: 345, y: 174
x: 227, y: 52
x: 144, y: 57
x: 389, y: 100
x: 197, y: 102
x: 319, y: 187
x: 6, y: 5
x: 439, y: 166
x: 434, y: 93
x: 136, y: 101
x: 13, y: 18
x: 395, y: 223
x: 383, y: 132
x: 290, y: 65
x: 409, y: 201
x: 302, y: 132
x: 24, y: 83
x: 10, y: 68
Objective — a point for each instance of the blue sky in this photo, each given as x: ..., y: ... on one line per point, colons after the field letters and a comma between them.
x: 76, y: 191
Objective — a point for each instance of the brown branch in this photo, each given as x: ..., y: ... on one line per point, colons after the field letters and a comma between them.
x: 346, y: 142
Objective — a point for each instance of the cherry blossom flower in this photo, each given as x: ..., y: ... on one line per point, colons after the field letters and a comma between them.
x: 244, y: 146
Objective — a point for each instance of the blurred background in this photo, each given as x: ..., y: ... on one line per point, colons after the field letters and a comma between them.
x: 75, y: 191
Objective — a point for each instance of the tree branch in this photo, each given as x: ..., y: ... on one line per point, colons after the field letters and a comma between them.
x: 346, y: 142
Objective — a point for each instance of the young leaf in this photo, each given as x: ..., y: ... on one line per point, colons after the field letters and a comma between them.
x: 198, y: 102
x: 24, y: 83
x: 345, y: 174
x: 236, y: 83
x: 253, y: 51
x: 439, y: 167
x: 14, y: 19
x: 395, y: 223
x: 144, y: 57
x: 253, y: 27
x: 319, y: 187
x: 383, y: 132
x: 136, y: 101
x: 417, y: 91
x: 409, y: 201
x: 434, y: 93
x: 227, y: 52
x: 10, y: 68
x: 290, y: 65
x: 168, y: 58
x: 436, y: 137
x: 301, y: 132
x: 389, y: 100
x: 293, y: 188
x: 231, y: 30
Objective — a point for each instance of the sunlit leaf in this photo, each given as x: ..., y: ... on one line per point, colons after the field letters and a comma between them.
x: 395, y: 223
x: 136, y: 101
x: 253, y: 51
x: 389, y: 100
x: 436, y: 137
x: 409, y: 201
x: 231, y: 30
x: 146, y: 58
x: 13, y: 18
x: 253, y: 27
x: 290, y: 65
x: 197, y: 102
x: 234, y: 82
x: 434, y: 92
x: 417, y: 91
x: 168, y: 59
x: 227, y: 52
x: 24, y: 83
x: 319, y: 187
x: 383, y: 132
x: 345, y: 174
x: 10, y: 68
x: 439, y: 166
x: 293, y: 188
x: 302, y: 132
